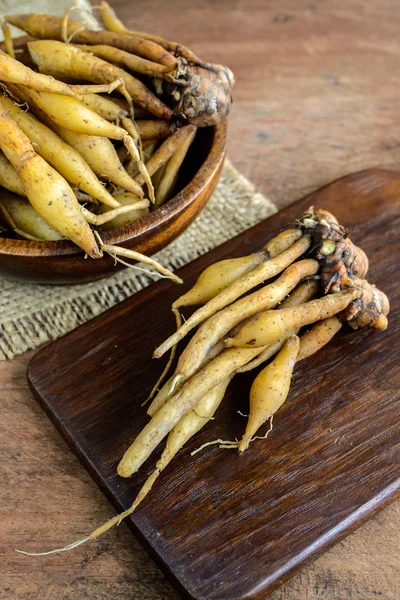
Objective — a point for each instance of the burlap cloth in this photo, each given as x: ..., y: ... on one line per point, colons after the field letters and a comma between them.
x: 31, y: 315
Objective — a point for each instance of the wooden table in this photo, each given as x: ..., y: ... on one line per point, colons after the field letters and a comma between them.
x: 317, y: 97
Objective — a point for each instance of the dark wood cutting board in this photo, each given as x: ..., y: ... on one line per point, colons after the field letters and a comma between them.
x: 224, y: 527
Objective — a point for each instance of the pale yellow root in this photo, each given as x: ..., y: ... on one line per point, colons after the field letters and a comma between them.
x: 266, y: 270
x: 270, y: 389
x: 217, y: 278
x: 64, y: 60
x: 116, y: 251
x: 282, y: 241
x: 101, y: 156
x: 56, y: 550
x: 99, y: 220
x: 111, y: 111
x: 130, y: 125
x: 100, y: 88
x: 165, y: 151
x: 12, y: 71
x: 220, y: 275
x: 130, y: 61
x: 318, y: 336
x: 166, y: 392
x: 42, y: 182
x: 72, y: 114
x: 187, y: 427
x: 50, y: 27
x: 270, y: 326
x: 110, y: 19
x: 156, y: 129
x: 9, y: 177
x: 306, y: 291
x: 312, y: 341
x: 105, y: 107
x: 146, y: 179
x: 169, y: 177
x: 65, y: 159
x: 148, y: 149
x: 269, y: 392
x: 98, y: 151
x: 118, y: 518
x: 22, y: 218
x: 221, y: 444
x: 125, y: 199
x: 216, y: 327
x: 186, y: 399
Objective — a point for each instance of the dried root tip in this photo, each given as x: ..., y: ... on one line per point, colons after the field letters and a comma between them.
x: 239, y: 412
x: 116, y: 251
x: 221, y: 444
x: 148, y: 181
x: 109, y: 524
x: 64, y: 25
x: 131, y: 127
x: 247, y: 439
x: 95, y: 88
x: 64, y: 549
x: 134, y: 152
x: 99, y: 220
x: 128, y: 98
x: 119, y: 518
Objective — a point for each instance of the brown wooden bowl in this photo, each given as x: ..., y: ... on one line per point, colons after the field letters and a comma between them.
x: 63, y: 262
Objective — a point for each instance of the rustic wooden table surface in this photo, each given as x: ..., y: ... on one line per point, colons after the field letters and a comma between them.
x: 317, y: 97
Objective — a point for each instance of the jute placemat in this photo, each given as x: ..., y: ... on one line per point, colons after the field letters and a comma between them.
x: 31, y: 315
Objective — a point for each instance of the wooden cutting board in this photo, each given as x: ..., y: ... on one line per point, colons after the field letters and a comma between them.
x: 224, y: 527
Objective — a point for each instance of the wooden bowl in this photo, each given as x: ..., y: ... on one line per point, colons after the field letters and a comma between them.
x: 63, y: 262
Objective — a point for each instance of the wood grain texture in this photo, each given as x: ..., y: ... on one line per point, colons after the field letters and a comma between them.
x: 316, y: 97
x: 220, y: 526
x: 63, y: 262
x: 317, y: 91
